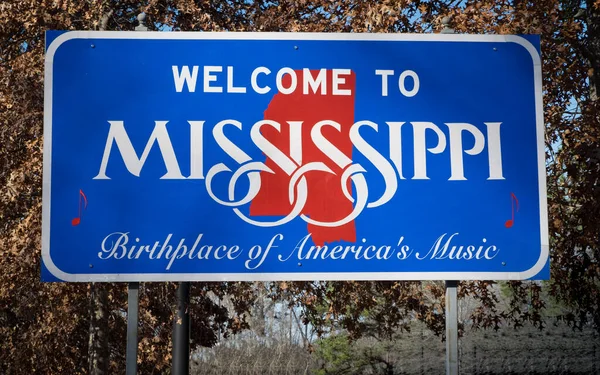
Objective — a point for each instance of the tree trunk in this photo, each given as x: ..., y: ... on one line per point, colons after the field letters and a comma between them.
x: 98, y: 337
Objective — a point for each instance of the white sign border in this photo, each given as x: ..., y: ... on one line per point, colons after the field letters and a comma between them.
x: 126, y: 277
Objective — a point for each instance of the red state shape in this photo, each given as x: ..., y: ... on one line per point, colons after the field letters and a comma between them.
x: 326, y: 201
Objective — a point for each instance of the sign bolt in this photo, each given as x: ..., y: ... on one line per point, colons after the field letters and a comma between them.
x: 93, y: 46
x: 504, y: 263
x: 91, y: 265
x: 495, y: 49
x: 446, y: 23
x: 299, y: 264
x: 142, y: 22
x: 295, y: 47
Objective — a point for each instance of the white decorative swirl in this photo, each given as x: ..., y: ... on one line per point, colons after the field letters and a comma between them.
x: 297, y: 191
x: 301, y: 190
x: 298, y: 199
x: 253, y: 178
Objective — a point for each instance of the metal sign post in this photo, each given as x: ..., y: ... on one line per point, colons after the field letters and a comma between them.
x: 132, y: 328
x: 181, y: 331
x: 451, y: 328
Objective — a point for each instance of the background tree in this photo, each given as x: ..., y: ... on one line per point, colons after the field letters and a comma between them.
x: 44, y: 328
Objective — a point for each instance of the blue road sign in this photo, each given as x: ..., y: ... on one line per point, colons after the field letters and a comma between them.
x: 290, y: 156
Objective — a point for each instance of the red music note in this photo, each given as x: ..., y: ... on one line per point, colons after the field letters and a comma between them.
x: 77, y: 220
x: 513, y: 201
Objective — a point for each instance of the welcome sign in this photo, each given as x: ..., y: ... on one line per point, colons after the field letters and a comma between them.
x: 287, y: 156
